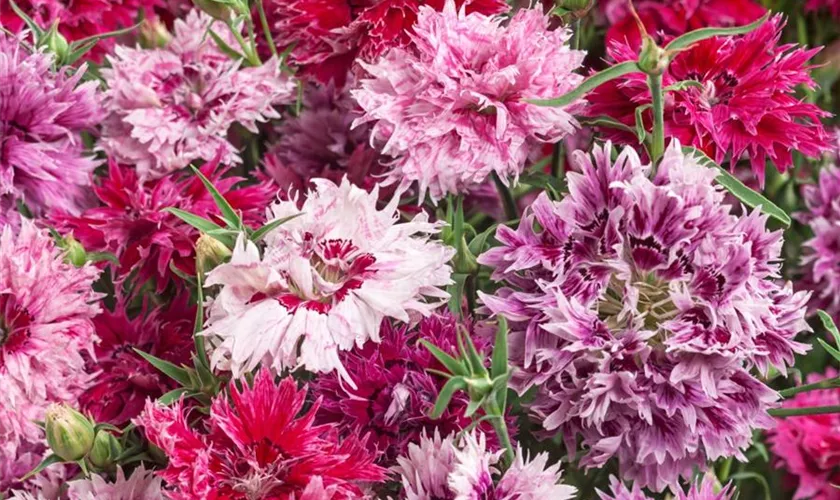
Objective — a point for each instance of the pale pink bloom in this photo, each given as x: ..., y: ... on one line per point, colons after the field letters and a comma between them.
x: 471, y: 475
x: 46, y: 312
x: 169, y: 107
x: 140, y: 485
x: 424, y: 471
x: 533, y: 480
x: 324, y: 282
x: 452, y: 110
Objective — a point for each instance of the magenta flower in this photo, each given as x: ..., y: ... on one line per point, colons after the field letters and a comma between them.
x: 42, y: 116
x: 638, y: 308
x: 747, y: 107
x: 46, y: 312
x: 807, y: 448
x: 707, y: 489
x: 131, y: 223
x: 451, y: 109
x: 324, y: 282
x: 258, y: 444
x: 830, y: 6
x: 169, y: 107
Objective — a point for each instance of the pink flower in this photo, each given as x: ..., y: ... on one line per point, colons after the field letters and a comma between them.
x: 808, y: 447
x: 140, y: 485
x: 169, y: 107
x: 705, y: 490
x: 638, y: 308
x: 42, y: 116
x: 131, y: 223
x: 832, y: 6
x: 124, y: 380
x: 257, y: 444
x: 46, y: 312
x: 451, y: 108
x: 324, y: 282
x: 746, y: 108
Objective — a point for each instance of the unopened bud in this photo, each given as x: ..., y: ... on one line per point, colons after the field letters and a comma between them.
x: 56, y: 44
x: 209, y: 253
x: 575, y: 5
x: 69, y: 433
x: 74, y: 252
x: 153, y: 34
x: 215, y: 9
x: 653, y: 59
x: 106, y: 449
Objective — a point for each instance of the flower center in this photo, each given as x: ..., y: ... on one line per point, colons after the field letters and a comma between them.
x: 14, y: 324
x: 653, y: 306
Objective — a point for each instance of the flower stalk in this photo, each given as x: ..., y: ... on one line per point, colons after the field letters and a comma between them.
x: 658, y: 146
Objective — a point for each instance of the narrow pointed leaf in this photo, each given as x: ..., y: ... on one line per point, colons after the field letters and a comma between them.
x: 49, y: 460
x: 454, y: 366
x: 172, y: 396
x: 641, y: 133
x: 260, y: 233
x: 474, y: 357
x: 227, y: 211
x: 479, y: 242
x: 198, y: 326
x: 834, y: 352
x: 829, y: 325
x: 590, y: 84
x: 606, y: 121
x: 174, y: 372
x: 695, y: 36
x: 456, y: 293
x: 196, y: 221
x: 449, y: 389
x: 32, y: 25
x: 683, y: 85
x: 473, y: 406
x: 224, y: 47
x: 102, y: 36
x: 499, y: 365
x: 738, y: 189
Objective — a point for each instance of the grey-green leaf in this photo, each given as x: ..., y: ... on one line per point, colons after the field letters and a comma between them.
x: 594, y: 81
x: 695, y: 36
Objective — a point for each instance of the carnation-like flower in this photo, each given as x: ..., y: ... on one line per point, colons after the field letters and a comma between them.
x: 638, y: 308
x: 463, y: 469
x: 324, y: 282
x: 42, y: 116
x: 132, y: 224
x: 321, y: 142
x: 124, y: 380
x: 169, y: 107
x: 830, y: 6
x: 256, y: 443
x: 328, y: 35
x: 452, y: 110
x: 807, y: 448
x: 396, y: 393
x: 667, y: 19
x: 707, y: 489
x: 142, y: 484
x: 747, y: 106
x: 46, y: 312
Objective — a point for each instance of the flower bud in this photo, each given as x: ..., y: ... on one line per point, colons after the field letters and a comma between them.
x: 106, y: 449
x: 652, y: 59
x: 215, y: 9
x: 153, y: 34
x: 74, y: 252
x: 209, y: 253
x: 69, y: 433
x: 56, y: 44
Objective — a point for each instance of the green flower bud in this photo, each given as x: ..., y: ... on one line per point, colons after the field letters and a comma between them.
x: 153, y: 34
x: 56, y: 44
x: 653, y: 59
x: 69, y: 433
x: 209, y: 253
x: 106, y: 449
x: 74, y: 252
x: 215, y: 9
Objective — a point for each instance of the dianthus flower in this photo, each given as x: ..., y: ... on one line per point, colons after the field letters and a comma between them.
x: 168, y: 107
x: 451, y: 109
x: 324, y: 282
x: 328, y: 35
x: 258, y: 444
x: 665, y: 19
x: 807, y: 448
x: 705, y: 490
x: 747, y: 106
x: 638, y: 307
x: 132, y: 224
x: 321, y: 142
x: 125, y: 380
x: 397, y: 394
x: 442, y: 468
x: 42, y: 116
x: 142, y: 484
x: 831, y: 6
x: 46, y: 312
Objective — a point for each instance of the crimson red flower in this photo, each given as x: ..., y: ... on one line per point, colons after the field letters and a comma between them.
x: 667, y: 19
x: 124, y: 380
x: 131, y: 222
x: 255, y: 445
x: 329, y: 34
x: 746, y: 103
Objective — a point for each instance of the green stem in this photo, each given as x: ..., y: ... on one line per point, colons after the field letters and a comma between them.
x: 658, y: 146
x: 723, y: 475
x: 511, y: 211
x: 576, y: 36
x: 799, y: 412
x: 247, y: 51
x: 557, y: 157
x: 823, y: 384
x: 266, y: 30
x: 499, y: 425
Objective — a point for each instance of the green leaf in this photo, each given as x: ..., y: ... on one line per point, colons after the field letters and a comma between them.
x: 454, y: 366
x: 738, y: 189
x: 196, y: 221
x: 474, y: 358
x: 499, y: 391
x: 829, y: 325
x: 174, y: 372
x: 834, y: 352
x: 740, y: 476
x: 499, y: 365
x: 225, y: 47
x: 611, y: 73
x: 172, y: 396
x: 695, y: 36
x: 107, y: 427
x: 479, y: 242
x: 33, y: 27
x: 683, y: 85
x: 100, y: 256
x: 109, y: 34
x: 198, y: 326
x: 260, y: 233
x: 473, y: 406
x: 449, y: 389
x: 456, y: 292
x: 49, y: 460
x: 544, y: 181
x: 227, y: 211
x: 640, y: 131
x: 605, y: 121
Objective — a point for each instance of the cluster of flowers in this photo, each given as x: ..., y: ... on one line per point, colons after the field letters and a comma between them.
x: 235, y: 263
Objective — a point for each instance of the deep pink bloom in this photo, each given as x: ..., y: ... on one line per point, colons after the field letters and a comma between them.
x: 667, y: 19
x: 256, y: 443
x: 131, y: 222
x: 46, y: 312
x: 124, y: 380
x: 707, y: 489
x: 451, y: 110
x: 638, y: 309
x: 42, y: 115
x: 747, y: 107
x: 831, y: 6
x: 807, y: 448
